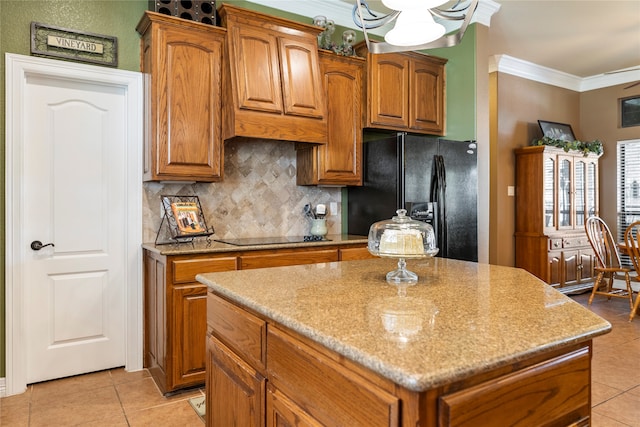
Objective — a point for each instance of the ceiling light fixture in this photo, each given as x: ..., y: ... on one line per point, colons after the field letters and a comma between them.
x: 415, y: 28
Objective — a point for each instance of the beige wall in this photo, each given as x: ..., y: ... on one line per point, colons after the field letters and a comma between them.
x: 516, y: 104
x: 600, y: 119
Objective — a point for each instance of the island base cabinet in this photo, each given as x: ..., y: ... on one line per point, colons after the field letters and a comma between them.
x: 303, y: 374
x: 524, y: 397
x: 282, y: 412
x: 235, y: 391
x: 278, y: 378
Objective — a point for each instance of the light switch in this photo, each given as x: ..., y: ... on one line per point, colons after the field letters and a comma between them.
x: 333, y: 208
x: 511, y: 190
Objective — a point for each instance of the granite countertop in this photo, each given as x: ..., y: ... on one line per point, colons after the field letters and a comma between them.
x: 460, y: 319
x: 200, y: 245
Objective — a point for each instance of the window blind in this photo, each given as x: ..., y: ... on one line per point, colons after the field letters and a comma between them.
x: 628, y: 187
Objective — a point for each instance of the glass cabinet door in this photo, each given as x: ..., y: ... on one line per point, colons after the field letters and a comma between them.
x: 564, y: 193
x: 591, y: 190
x: 580, y: 192
x: 549, y: 192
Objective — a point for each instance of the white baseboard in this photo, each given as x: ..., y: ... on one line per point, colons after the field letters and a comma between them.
x: 3, y: 387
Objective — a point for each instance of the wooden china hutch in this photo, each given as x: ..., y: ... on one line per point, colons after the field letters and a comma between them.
x: 556, y: 191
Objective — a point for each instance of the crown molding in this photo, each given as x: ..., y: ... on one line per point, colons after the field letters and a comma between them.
x: 530, y: 71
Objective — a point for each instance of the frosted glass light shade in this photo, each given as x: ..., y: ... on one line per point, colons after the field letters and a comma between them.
x: 412, y: 4
x: 413, y: 28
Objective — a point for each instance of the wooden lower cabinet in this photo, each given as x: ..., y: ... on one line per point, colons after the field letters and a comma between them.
x: 175, y: 308
x: 301, y: 383
x: 570, y: 260
x: 571, y: 268
x: 242, y: 386
x: 502, y: 401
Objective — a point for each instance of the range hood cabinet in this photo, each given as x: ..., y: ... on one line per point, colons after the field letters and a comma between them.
x: 271, y: 78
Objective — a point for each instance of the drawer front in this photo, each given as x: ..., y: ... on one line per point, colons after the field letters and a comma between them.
x: 575, y: 242
x: 185, y: 270
x: 326, y: 390
x: 554, y: 392
x: 288, y: 258
x: 352, y: 254
x: 240, y: 331
x: 555, y: 244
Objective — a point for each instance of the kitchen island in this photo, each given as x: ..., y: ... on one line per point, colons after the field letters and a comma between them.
x: 334, y: 344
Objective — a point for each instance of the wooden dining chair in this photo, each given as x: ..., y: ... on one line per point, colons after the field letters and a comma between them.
x: 609, y: 266
x: 631, y: 236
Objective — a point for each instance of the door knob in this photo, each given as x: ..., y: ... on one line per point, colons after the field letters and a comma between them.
x: 36, y: 245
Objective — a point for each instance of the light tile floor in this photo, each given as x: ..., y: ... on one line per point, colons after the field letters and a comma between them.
x: 106, y: 398
x: 118, y: 398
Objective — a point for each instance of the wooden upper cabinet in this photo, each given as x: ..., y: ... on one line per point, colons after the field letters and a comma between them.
x: 257, y: 70
x: 301, y: 78
x: 427, y: 99
x: 183, y: 63
x: 272, y: 78
x: 389, y: 90
x: 339, y: 162
x: 406, y: 92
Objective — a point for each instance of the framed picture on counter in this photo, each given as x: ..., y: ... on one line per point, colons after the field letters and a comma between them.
x: 184, y: 217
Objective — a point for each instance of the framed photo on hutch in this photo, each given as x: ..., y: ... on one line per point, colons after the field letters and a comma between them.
x: 555, y: 130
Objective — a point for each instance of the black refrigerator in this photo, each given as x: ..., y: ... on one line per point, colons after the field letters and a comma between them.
x: 435, y: 179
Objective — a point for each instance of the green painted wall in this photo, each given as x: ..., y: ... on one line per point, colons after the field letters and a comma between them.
x: 461, y: 86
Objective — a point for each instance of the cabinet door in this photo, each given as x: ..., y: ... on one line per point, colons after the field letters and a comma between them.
x: 566, y: 207
x: 256, y: 70
x: 549, y: 191
x: 189, y: 330
x: 235, y: 391
x: 569, y: 268
x: 426, y: 96
x: 154, y: 315
x: 587, y: 264
x: 591, y: 188
x: 555, y: 268
x: 580, y: 192
x: 282, y: 412
x: 186, y: 101
x: 301, y: 80
x: 389, y: 90
x: 340, y: 160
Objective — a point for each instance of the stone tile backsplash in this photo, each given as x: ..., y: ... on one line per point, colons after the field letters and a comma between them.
x: 257, y: 198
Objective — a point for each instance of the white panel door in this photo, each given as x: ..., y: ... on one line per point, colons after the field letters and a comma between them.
x: 73, y: 173
x: 74, y: 182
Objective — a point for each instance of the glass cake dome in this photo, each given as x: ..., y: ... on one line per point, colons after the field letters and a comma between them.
x: 402, y: 237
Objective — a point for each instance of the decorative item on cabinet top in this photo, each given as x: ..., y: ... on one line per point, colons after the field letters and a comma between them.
x: 561, y: 135
x: 193, y: 10
x: 324, y: 38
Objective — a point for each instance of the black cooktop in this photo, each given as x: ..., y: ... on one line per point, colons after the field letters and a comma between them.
x: 257, y: 241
